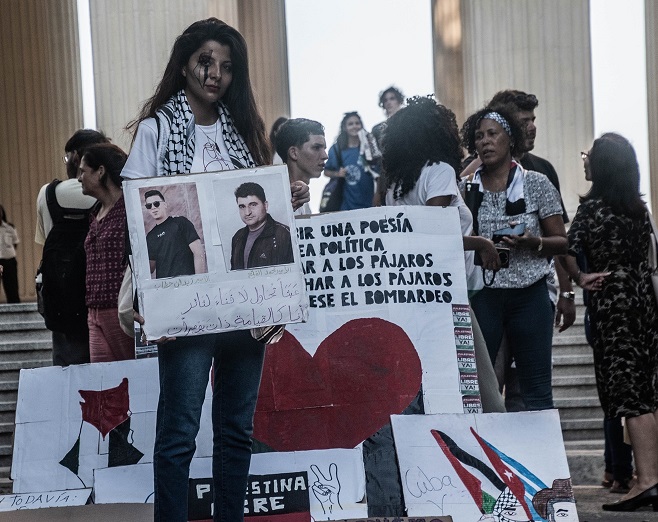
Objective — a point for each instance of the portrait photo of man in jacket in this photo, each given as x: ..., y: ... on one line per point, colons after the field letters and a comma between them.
x: 262, y: 241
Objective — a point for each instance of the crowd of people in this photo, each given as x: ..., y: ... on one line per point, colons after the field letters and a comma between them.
x: 203, y: 117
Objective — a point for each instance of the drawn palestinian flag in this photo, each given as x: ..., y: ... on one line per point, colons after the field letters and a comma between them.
x: 108, y: 411
x: 513, y: 481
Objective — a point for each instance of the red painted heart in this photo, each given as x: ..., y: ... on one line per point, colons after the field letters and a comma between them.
x: 361, y: 374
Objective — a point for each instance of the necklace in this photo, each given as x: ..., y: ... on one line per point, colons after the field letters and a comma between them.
x: 210, y: 145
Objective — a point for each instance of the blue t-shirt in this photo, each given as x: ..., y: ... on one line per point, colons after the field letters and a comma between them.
x: 359, y: 186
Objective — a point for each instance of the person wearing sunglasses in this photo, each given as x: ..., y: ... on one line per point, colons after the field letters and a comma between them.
x: 174, y: 246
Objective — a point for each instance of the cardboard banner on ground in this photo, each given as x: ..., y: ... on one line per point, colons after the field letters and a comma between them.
x: 388, y: 299
x: 75, y: 420
x: 47, y: 499
x: 488, y: 467
x: 207, y: 260
x: 333, y: 484
x: 388, y: 332
x: 399, y: 519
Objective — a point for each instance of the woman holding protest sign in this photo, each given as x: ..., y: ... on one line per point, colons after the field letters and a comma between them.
x: 203, y: 117
x: 422, y: 154
x: 520, y: 211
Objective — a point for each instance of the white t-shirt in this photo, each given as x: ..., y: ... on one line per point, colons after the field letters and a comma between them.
x: 69, y: 195
x: 8, y: 238
x: 142, y: 161
x: 435, y: 180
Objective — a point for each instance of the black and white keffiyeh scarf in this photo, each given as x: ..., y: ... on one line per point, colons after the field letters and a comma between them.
x: 176, y: 137
x: 514, y: 201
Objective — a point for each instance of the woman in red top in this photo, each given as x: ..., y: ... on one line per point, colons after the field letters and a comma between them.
x: 100, y: 175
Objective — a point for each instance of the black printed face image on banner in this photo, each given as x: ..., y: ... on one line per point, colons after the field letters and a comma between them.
x: 262, y: 241
x: 174, y: 233
x: 282, y: 497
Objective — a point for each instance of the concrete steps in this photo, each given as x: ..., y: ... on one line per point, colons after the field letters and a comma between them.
x: 576, y: 397
x: 24, y: 343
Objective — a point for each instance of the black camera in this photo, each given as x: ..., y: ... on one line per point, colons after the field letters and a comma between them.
x: 503, y: 255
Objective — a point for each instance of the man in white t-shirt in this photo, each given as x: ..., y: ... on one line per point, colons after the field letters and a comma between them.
x: 70, y: 347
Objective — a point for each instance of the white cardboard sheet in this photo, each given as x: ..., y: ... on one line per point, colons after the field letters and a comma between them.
x: 219, y: 299
x: 49, y: 421
x: 46, y: 499
x: 336, y: 480
x: 523, y: 450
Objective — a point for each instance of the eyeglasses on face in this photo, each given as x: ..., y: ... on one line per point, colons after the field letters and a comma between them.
x: 584, y: 155
x: 155, y: 204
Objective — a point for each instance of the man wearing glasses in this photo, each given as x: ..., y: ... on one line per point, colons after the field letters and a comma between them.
x: 173, y: 244
x: 71, y: 208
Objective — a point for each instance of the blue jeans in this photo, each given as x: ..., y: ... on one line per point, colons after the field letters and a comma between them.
x: 184, y: 368
x: 525, y: 316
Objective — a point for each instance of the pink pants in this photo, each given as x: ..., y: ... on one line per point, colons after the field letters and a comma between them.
x: 107, y: 341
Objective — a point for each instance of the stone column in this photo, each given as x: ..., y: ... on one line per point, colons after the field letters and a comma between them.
x: 131, y: 43
x: 538, y: 47
x: 263, y: 24
x: 651, y: 14
x: 41, y: 106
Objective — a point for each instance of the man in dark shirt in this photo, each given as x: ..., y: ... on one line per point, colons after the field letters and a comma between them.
x: 174, y: 246
x: 263, y: 241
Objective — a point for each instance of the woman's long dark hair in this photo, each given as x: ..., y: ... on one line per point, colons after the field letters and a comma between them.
x: 342, y: 135
x: 239, y: 97
x: 422, y: 132
x: 615, y: 175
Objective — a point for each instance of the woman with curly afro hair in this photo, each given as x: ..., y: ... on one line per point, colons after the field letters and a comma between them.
x: 422, y: 155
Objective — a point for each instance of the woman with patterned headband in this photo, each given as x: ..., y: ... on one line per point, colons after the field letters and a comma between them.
x: 515, y: 302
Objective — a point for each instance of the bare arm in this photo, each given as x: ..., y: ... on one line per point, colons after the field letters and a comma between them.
x: 589, y: 281
x: 484, y: 247
x: 565, y: 311
x: 470, y: 168
x: 340, y: 173
x: 199, y: 258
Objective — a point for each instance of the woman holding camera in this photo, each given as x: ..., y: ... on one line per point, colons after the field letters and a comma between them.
x: 422, y: 155
x: 515, y: 302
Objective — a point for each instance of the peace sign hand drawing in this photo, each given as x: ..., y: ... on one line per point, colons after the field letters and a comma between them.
x: 327, y: 489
